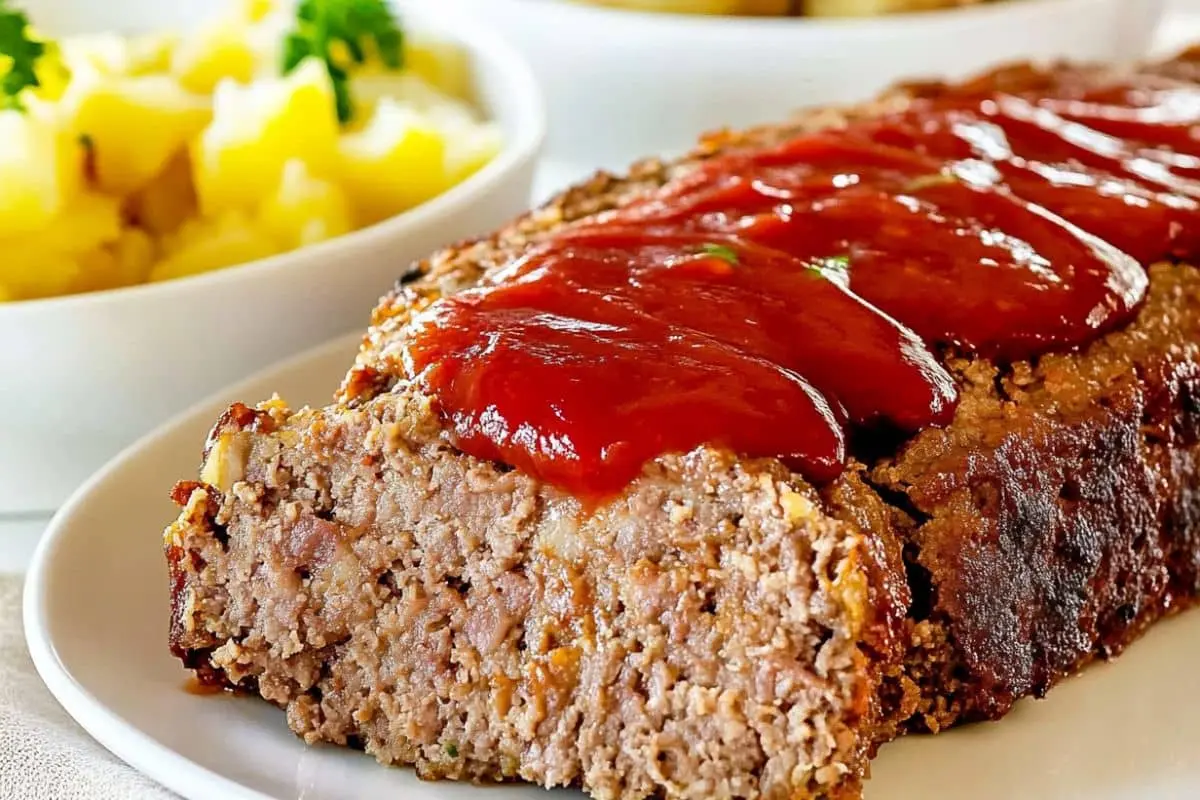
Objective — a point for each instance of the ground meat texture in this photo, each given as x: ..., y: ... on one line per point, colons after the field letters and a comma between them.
x: 723, y: 629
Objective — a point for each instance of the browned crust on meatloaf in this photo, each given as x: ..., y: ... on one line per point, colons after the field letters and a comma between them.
x: 391, y: 592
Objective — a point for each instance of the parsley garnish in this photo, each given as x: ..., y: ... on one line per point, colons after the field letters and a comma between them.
x: 88, y: 145
x: 837, y: 264
x: 721, y: 251
x: 929, y: 181
x: 19, y: 52
x: 326, y: 27
x: 452, y: 749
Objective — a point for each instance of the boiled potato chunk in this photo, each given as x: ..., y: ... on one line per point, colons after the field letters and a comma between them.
x: 305, y: 210
x: 32, y: 273
x: 406, y: 89
x: 749, y: 7
x: 151, y: 53
x: 812, y: 8
x: 111, y: 54
x: 95, y: 220
x: 871, y: 8
x: 396, y: 162
x: 206, y: 245
x: 219, y: 51
x: 169, y: 200
x: 52, y: 73
x: 124, y: 262
x: 134, y: 126
x: 41, y: 169
x: 257, y: 10
x: 403, y: 88
x: 469, y: 143
x: 96, y: 54
x: 443, y: 64
x: 258, y: 128
x: 59, y: 258
x: 471, y: 150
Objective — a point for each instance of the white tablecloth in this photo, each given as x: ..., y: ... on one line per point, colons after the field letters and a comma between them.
x: 43, y: 753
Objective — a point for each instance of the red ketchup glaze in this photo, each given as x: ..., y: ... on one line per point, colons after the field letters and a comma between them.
x: 773, y: 301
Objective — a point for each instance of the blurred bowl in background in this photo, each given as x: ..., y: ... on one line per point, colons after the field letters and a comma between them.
x: 84, y: 375
x: 625, y: 84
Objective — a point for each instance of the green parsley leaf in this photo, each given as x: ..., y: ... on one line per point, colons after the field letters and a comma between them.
x: 929, y: 181
x: 326, y: 28
x: 451, y: 749
x: 823, y: 267
x: 88, y: 145
x: 721, y: 251
x: 19, y: 54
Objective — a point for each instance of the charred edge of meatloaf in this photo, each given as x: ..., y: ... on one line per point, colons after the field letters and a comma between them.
x: 713, y: 634
x: 1055, y: 520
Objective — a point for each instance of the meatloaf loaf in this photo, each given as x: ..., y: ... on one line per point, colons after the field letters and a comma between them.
x: 723, y: 626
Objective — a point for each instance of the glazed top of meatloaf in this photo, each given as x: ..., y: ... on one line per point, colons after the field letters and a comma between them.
x: 784, y: 290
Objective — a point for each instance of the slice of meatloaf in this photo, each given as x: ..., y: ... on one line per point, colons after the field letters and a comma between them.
x: 713, y: 634
x: 722, y: 629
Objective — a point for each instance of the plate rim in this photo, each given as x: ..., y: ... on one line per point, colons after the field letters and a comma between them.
x: 111, y: 730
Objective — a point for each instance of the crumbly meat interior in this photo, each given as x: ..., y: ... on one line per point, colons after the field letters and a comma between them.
x: 714, y: 634
x: 723, y: 630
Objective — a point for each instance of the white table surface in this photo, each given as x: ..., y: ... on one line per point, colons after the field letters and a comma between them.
x: 19, y: 535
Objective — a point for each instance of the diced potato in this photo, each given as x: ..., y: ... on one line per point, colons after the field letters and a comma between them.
x: 135, y: 252
x: 403, y: 88
x: 681, y: 6
x: 219, y: 51
x: 396, y: 162
x: 55, y: 259
x: 98, y: 53
x: 40, y: 170
x: 871, y: 8
x: 471, y: 151
x: 443, y: 64
x: 30, y: 273
x: 469, y: 144
x: 256, y: 129
x: 208, y: 245
x: 52, y: 72
x: 151, y: 54
x: 257, y: 10
x: 167, y: 201
x: 305, y: 210
x: 95, y: 219
x: 124, y: 262
x: 134, y: 126
x: 267, y: 24
x: 110, y: 54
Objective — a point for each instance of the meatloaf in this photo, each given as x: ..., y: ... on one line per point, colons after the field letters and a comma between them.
x: 723, y: 626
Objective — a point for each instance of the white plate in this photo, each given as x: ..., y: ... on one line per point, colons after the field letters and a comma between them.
x: 96, y: 620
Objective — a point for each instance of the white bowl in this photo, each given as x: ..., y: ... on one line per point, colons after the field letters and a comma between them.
x: 82, y: 376
x: 623, y: 84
